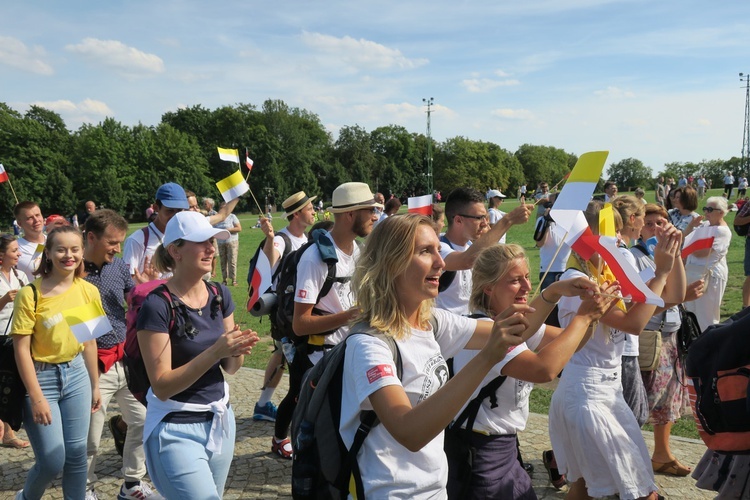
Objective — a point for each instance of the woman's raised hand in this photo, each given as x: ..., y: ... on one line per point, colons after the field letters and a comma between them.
x: 574, y: 287
x: 236, y: 342
x: 507, y: 330
x: 595, y: 306
x: 669, y: 241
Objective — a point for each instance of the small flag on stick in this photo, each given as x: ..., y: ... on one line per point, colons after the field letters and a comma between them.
x: 229, y: 155
x: 420, y: 205
x: 3, y: 174
x: 233, y: 186
x: 88, y: 322
x: 248, y: 161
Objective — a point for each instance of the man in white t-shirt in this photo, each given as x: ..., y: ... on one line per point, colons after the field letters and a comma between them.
x: 299, y: 211
x: 31, y: 245
x: 468, y: 233
x: 355, y: 212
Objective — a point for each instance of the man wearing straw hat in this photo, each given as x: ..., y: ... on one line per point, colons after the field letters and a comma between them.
x: 355, y: 211
x: 299, y: 211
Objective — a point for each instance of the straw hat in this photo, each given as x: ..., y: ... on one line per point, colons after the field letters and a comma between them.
x: 352, y: 196
x: 295, y: 203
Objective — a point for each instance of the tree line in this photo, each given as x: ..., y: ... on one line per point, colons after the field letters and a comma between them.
x: 120, y: 166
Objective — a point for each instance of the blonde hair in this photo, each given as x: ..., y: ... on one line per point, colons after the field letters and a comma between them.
x: 162, y: 261
x: 628, y: 205
x: 386, y: 255
x: 491, y: 265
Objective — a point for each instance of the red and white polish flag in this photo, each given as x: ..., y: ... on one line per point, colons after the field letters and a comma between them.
x: 701, y: 238
x: 420, y: 205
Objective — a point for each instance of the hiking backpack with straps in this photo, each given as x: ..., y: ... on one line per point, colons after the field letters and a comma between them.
x: 718, y: 371
x: 260, y: 309
x: 322, y: 467
x: 286, y: 288
x: 135, y: 369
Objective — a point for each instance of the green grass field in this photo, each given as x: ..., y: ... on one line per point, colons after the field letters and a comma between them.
x: 522, y: 235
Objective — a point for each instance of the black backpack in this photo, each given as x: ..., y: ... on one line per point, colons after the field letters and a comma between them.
x: 286, y: 288
x: 718, y: 368
x: 261, y: 308
x: 322, y: 466
x: 446, y: 279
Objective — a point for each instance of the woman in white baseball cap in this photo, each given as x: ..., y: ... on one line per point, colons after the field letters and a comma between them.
x: 188, y: 339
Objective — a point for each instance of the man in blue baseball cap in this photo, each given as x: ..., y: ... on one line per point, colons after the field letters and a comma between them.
x: 141, y: 245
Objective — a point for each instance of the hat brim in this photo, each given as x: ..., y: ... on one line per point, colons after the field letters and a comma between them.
x: 175, y: 204
x: 358, y: 206
x: 287, y: 214
x: 202, y: 235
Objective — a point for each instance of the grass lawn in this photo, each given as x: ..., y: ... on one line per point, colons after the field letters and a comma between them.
x: 250, y: 238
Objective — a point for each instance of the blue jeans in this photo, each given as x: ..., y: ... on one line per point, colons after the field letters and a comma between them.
x: 180, y: 465
x: 60, y: 446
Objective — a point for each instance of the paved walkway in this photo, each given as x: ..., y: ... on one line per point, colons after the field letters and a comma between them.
x: 257, y: 474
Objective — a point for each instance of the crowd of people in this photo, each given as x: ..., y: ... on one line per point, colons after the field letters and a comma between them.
x: 446, y: 287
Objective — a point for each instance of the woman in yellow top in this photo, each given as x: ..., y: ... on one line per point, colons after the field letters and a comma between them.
x: 60, y: 373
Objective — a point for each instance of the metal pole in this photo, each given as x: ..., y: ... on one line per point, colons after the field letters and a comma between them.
x: 429, y: 102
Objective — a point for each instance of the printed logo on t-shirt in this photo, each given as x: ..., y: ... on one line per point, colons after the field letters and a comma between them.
x: 436, y: 376
x: 302, y: 294
x: 377, y: 372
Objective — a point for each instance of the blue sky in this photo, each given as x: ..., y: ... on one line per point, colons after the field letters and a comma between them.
x: 657, y: 81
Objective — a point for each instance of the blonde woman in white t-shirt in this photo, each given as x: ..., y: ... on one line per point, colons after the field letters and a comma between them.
x: 395, y: 283
x: 500, y: 279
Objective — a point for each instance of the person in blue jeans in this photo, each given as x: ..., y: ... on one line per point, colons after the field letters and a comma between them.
x: 60, y: 373
x: 188, y: 338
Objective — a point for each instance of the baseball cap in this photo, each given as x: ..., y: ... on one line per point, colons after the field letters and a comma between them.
x: 495, y: 193
x: 191, y: 226
x: 171, y: 195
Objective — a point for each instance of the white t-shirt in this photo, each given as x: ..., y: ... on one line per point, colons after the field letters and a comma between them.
x: 31, y: 256
x: 311, y: 274
x: 631, y: 341
x: 133, y: 252
x: 728, y: 179
x: 548, y: 249
x: 389, y: 470
x: 456, y: 297
x: 495, y: 216
x: 512, y: 411
x: 6, y: 286
x: 604, y: 350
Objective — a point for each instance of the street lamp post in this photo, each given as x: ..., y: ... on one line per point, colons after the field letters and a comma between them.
x: 745, y: 168
x: 429, y: 102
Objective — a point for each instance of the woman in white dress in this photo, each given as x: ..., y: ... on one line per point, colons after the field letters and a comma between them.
x: 710, y: 264
x: 597, y: 441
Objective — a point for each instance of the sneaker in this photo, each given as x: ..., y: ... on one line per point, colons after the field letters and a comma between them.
x: 19, y: 495
x: 282, y: 448
x: 266, y: 412
x: 140, y: 491
x: 117, y: 434
x: 91, y: 495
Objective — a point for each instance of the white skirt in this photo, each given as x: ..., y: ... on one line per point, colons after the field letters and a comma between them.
x: 596, y: 437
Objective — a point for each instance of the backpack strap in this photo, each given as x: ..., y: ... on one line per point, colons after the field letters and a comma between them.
x: 328, y: 253
x: 146, y: 234
x: 287, y: 251
x: 446, y: 279
x: 367, y: 418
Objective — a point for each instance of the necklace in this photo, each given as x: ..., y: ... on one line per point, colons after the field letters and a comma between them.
x: 182, y: 299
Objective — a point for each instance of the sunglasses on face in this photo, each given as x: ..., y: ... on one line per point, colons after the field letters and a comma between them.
x: 709, y: 209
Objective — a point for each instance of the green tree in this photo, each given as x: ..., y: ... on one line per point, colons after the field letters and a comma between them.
x: 629, y: 174
x: 462, y: 162
x: 543, y: 164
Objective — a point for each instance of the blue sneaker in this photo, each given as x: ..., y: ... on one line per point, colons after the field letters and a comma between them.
x: 266, y: 412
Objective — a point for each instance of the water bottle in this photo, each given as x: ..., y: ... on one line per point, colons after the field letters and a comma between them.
x: 288, y: 349
x: 305, y: 465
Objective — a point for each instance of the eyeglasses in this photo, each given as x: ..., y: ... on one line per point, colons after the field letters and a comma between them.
x: 484, y: 217
x: 710, y: 209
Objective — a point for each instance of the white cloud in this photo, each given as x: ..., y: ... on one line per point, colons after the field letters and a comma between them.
x: 83, y: 108
x: 362, y: 54
x: 513, y: 114
x: 486, y: 84
x: 614, y: 93
x: 16, y: 54
x: 114, y: 54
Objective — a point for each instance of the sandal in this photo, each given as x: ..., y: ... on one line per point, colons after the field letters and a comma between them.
x: 16, y: 443
x: 673, y: 468
x: 557, y: 479
x: 282, y: 448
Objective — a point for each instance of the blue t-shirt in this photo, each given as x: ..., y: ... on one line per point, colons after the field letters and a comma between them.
x: 113, y: 281
x: 155, y: 315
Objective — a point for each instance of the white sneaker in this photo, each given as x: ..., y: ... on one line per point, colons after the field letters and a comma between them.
x: 140, y: 491
x: 91, y: 494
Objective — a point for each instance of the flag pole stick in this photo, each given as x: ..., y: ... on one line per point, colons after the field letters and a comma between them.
x: 549, y: 266
x: 11, y: 188
x: 262, y: 213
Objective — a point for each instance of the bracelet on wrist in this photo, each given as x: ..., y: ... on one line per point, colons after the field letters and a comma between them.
x: 541, y: 294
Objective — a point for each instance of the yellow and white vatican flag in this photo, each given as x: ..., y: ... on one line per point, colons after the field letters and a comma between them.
x: 229, y: 155
x: 233, y: 186
x: 88, y: 322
